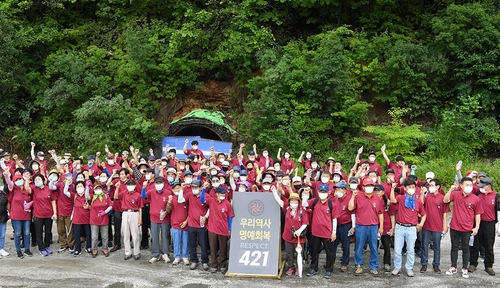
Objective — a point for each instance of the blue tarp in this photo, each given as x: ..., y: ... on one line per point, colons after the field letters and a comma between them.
x: 204, y: 145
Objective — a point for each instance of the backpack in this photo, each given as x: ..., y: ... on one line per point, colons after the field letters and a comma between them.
x: 330, y: 204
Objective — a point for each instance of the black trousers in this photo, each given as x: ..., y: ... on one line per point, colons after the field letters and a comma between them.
x: 316, y: 246
x: 456, y: 236
x: 146, y: 224
x: 386, y: 242
x: 43, y: 225
x: 118, y: 228
x: 485, y: 237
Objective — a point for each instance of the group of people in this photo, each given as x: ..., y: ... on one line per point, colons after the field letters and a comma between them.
x: 187, y: 201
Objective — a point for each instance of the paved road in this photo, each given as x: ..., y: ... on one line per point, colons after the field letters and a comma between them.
x: 64, y: 270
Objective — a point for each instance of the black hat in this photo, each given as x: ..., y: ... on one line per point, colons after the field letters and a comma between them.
x: 389, y: 171
x: 159, y: 179
x: 485, y: 182
x: 220, y: 190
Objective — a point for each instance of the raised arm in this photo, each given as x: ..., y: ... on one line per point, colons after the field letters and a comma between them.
x: 277, y: 198
x: 387, y: 160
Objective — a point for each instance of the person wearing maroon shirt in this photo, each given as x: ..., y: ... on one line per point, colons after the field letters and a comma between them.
x: 467, y: 210
x: 322, y: 230
x: 410, y: 207
x: 91, y: 166
x: 287, y: 164
x: 219, y: 225
x: 324, y: 179
x: 435, y: 226
x: 178, y: 209
x: 197, y: 232
x: 44, y: 208
x: 306, y: 164
x: 369, y: 224
x: 193, y: 149
x: 20, y: 210
x: 374, y: 164
x: 40, y: 156
x: 65, y: 192
x: 388, y: 230
x: 11, y: 164
x: 149, y: 177
x: 131, y: 218
x: 397, y: 167
x: 389, y: 176
x: 345, y: 221
x: 110, y: 187
x: 296, y: 221
x: 264, y: 161
x: 100, y: 206
x: 486, y: 234
x: 81, y: 214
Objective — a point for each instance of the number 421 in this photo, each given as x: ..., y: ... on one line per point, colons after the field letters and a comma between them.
x: 246, y: 258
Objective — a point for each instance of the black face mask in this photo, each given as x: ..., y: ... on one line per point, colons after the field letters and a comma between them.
x: 249, y: 169
x: 204, y: 174
x: 298, y: 186
x: 224, y: 169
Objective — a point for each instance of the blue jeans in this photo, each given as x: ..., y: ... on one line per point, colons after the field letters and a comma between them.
x: 198, y: 235
x: 346, y: 243
x: 3, y: 227
x: 427, y: 235
x: 402, y: 235
x: 178, y: 237
x: 24, y: 226
x: 364, y: 233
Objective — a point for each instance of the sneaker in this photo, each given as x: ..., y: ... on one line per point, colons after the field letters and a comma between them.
x: 328, y: 275
x: 176, y: 261
x: 20, y: 254
x: 452, y: 271
x: 4, y: 253
x: 62, y: 249
x: 490, y: 271
x: 44, y: 253
x: 436, y: 269
x: 205, y: 266
x: 395, y: 271
x: 28, y: 253
x: 71, y: 249
x: 387, y: 267
x: 297, y: 272
x: 472, y: 268
x: 48, y: 250
x: 77, y: 253
x: 343, y: 268
x: 374, y: 273
x: 223, y: 270
x: 186, y: 261
x: 153, y: 260
x: 423, y: 269
x: 290, y: 271
x: 213, y: 270
x: 137, y: 257
x: 465, y: 273
x: 410, y: 273
x: 193, y: 266
x: 358, y: 271
x: 166, y: 258
x: 311, y: 272
x: 89, y: 250
x: 127, y: 257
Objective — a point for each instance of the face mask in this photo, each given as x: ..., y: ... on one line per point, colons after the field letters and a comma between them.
x: 432, y: 189
x: 410, y: 191
x: 35, y: 167
x: 222, y: 181
x: 286, y: 182
x: 130, y: 188
x: 287, y: 156
x: 159, y: 187
x: 336, y: 179
x: 225, y: 169
x: 78, y: 167
x: 80, y: 179
x: 52, y: 178
x: 148, y: 177
x: 372, y: 159
x: 468, y: 189
x: 482, y: 190
x: 80, y: 190
x: 222, y: 197
x: 249, y: 168
x: 242, y: 189
x: 98, y: 191
x: 369, y: 190
x: 204, y: 174
x: 188, y: 180
x: 195, y: 147
x: 182, y: 167
x: 339, y: 194
x: 353, y: 186
x: 294, y: 205
x: 374, y: 180
x: 195, y: 160
x: 265, y: 154
x: 314, y: 166
x: 111, y: 162
x: 362, y: 174
x: 236, y: 175
x: 266, y: 187
x: 216, y: 184
x: 103, y: 179
x: 163, y: 163
x: 251, y: 159
x: 41, y: 158
x: 325, y: 180
x: 297, y: 186
x: 221, y: 160
x: 176, y: 193
x: 213, y: 172
x: 308, y: 156
x: 39, y: 184
x: 243, y: 178
x: 196, y: 191
x: 323, y: 196
x: 277, y: 168
x: 170, y: 179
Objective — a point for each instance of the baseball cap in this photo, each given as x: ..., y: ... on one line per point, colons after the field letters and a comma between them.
x: 379, y: 187
x: 220, y: 190
x: 196, y: 183
x: 430, y: 175
x: 323, y: 187
x: 243, y: 173
x: 159, y: 179
x: 354, y: 180
x: 172, y: 170
x: 251, y: 152
x: 368, y: 181
x: 390, y: 170
x: 296, y: 179
x: 340, y: 185
x: 485, y: 182
x: 267, y: 180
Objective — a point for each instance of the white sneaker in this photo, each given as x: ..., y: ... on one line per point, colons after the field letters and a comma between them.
x: 166, y: 258
x: 176, y: 261
x: 153, y: 260
x: 452, y: 271
x: 186, y: 261
x: 465, y: 273
x: 4, y: 253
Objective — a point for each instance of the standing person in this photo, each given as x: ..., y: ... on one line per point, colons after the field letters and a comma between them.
x: 65, y: 192
x: 396, y: 167
x: 81, y: 215
x: 346, y: 224
x: 219, y: 226
x: 197, y: 231
x: 131, y: 218
x: 435, y: 225
x: 100, y: 206
x: 486, y: 234
x: 20, y: 211
x: 149, y: 176
x: 44, y: 205
x: 121, y: 177
x: 4, y: 201
x: 322, y: 230
x: 388, y: 230
x: 467, y: 211
x: 369, y: 224
x: 178, y: 209
x: 407, y: 226
x: 296, y: 221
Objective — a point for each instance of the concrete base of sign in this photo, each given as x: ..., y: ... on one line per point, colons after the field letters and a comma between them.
x: 280, y: 273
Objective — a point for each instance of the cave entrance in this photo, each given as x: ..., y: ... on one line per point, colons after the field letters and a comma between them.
x: 204, y: 124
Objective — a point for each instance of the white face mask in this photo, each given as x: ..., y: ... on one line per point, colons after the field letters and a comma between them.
x: 325, y: 179
x: 432, y: 189
x: 410, y: 191
x: 482, y: 190
x: 216, y: 184
x: 323, y: 196
x: 222, y: 197
x: 362, y: 174
x: 35, y: 167
x: 213, y: 172
x: 98, y: 191
x: 286, y: 182
x: 103, y: 179
x: 314, y: 166
x: 182, y: 167
x: 336, y: 179
x: 294, y: 205
x: 195, y: 147
x: 266, y: 187
x: 163, y: 163
x: 130, y: 188
x: 308, y: 156
x: 372, y: 159
x: 41, y: 158
x: 353, y: 186
x: 78, y: 167
x: 196, y: 191
x: 236, y: 175
x: 159, y: 187
x: 242, y: 189
x: 369, y: 189
x: 243, y: 178
x: 80, y: 190
x: 170, y: 179
x: 148, y: 177
x: 467, y: 189
x: 111, y: 162
x: 188, y: 180
x: 251, y: 158
x: 287, y: 156
x: 265, y: 154
x: 339, y: 194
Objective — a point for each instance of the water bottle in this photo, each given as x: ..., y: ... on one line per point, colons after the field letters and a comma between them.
x: 349, y: 233
x: 389, y: 233
x: 471, y: 241
x: 459, y: 165
x: 442, y: 233
x: 161, y: 212
x: 378, y: 236
x: 201, y: 224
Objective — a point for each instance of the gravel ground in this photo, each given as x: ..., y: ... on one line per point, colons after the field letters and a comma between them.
x: 64, y: 270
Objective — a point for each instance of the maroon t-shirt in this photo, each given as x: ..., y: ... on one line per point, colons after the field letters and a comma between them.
x: 488, y: 203
x: 16, y: 198
x: 465, y: 208
x: 131, y: 200
x: 375, y: 167
x: 81, y: 216
x: 195, y: 209
x: 159, y: 202
x: 315, y: 187
x: 42, y: 201
x: 397, y: 171
x: 368, y: 209
x: 64, y: 203
x: 98, y: 205
x: 300, y: 218
x: 196, y: 152
x: 340, y: 210
x: 219, y: 214
x: 321, y: 221
x: 179, y: 213
x: 287, y: 165
x: 435, y: 208
x: 408, y: 215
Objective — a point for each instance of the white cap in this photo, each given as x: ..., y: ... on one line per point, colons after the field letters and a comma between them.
x: 171, y: 170
x: 225, y: 163
x: 430, y: 175
x: 296, y: 179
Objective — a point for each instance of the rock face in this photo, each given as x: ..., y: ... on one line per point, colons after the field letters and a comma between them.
x: 226, y: 97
